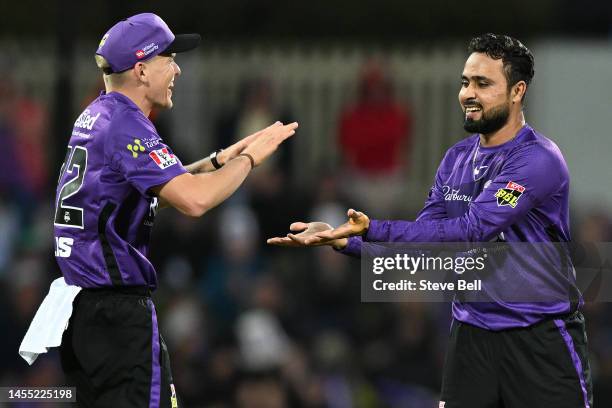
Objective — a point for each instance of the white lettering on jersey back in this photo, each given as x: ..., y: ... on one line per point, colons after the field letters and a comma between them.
x: 86, y: 120
x: 63, y: 247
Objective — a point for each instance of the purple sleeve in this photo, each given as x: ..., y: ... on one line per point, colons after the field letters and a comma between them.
x: 352, y: 248
x: 531, y: 174
x: 435, y: 206
x: 137, y: 152
x: 434, y: 209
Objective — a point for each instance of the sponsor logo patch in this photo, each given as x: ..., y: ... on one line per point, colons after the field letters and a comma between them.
x: 150, y: 142
x: 163, y: 158
x: 510, y: 194
x: 451, y: 194
x: 86, y: 120
x: 146, y: 50
x: 136, y: 148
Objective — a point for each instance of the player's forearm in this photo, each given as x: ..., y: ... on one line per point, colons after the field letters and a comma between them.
x: 215, y: 187
x: 467, y: 228
x: 417, y: 231
x: 201, y: 166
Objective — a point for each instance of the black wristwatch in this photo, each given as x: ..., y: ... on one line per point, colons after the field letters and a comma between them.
x: 213, y: 159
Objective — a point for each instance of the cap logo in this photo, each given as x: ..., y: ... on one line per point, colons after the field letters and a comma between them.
x: 148, y: 49
x: 103, y: 40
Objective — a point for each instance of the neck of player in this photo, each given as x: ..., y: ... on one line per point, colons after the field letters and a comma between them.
x: 515, y: 123
x: 136, y: 95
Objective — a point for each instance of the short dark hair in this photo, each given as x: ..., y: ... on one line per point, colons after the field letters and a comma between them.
x: 516, y: 58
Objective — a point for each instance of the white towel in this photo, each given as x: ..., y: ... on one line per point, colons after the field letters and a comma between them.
x: 50, y: 321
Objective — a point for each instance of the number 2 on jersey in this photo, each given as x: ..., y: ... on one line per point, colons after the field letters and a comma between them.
x: 66, y: 215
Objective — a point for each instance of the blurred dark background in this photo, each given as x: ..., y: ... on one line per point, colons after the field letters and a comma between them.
x: 374, y: 87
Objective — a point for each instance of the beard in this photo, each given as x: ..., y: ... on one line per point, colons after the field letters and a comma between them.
x: 490, y: 121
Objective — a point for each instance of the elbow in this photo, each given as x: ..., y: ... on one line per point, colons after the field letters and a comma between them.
x: 196, y: 209
x: 192, y: 207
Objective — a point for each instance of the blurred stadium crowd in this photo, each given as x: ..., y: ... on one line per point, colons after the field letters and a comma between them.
x: 249, y: 325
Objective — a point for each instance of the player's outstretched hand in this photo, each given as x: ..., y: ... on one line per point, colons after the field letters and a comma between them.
x: 266, y: 143
x: 357, y: 224
x: 307, y: 236
x: 234, y: 150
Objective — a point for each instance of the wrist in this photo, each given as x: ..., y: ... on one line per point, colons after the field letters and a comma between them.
x: 249, y: 157
x: 339, y: 244
x: 218, y: 159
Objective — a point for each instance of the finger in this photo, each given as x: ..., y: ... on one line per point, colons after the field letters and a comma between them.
x: 291, y: 127
x: 267, y: 129
x: 297, y: 239
x: 288, y: 135
x: 353, y: 214
x: 302, y: 241
x: 340, y: 232
x: 281, y: 241
x: 314, y: 240
x: 252, y: 137
x: 298, y: 226
x: 285, y: 136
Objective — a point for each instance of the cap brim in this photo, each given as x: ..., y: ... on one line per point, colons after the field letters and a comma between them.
x: 184, y: 42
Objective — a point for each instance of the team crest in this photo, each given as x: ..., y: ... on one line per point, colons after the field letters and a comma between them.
x: 510, y: 194
x: 163, y: 158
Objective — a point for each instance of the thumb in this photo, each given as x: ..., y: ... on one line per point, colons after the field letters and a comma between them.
x: 354, y: 214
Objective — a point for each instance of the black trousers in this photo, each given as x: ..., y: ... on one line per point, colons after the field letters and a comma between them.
x: 112, y: 351
x: 544, y: 365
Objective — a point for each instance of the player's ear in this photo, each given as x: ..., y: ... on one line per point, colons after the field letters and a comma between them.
x: 518, y: 91
x: 140, y: 72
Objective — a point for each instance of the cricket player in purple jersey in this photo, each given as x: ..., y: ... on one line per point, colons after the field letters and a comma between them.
x: 506, y: 182
x: 117, y: 173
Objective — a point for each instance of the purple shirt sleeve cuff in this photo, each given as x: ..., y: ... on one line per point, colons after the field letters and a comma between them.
x: 375, y: 232
x: 352, y: 248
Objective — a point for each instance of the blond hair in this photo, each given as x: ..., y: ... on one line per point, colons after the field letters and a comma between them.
x: 110, y: 78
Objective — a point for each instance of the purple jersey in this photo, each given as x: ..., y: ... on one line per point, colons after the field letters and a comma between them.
x: 104, y: 210
x: 514, y: 192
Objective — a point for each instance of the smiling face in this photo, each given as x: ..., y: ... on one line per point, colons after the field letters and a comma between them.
x: 484, y: 96
x: 160, y: 72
